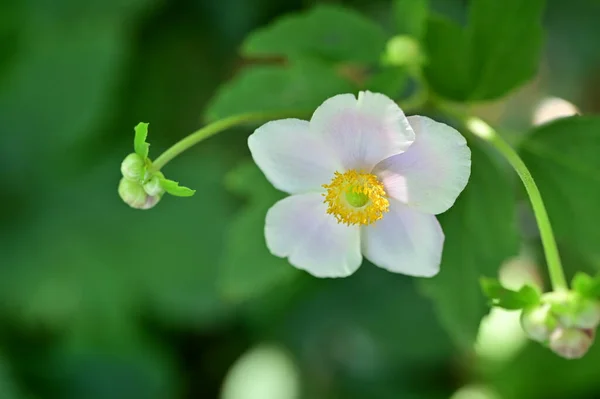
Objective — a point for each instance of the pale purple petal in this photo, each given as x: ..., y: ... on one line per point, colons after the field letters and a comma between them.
x: 431, y: 174
x: 363, y: 131
x: 293, y: 158
x: 298, y: 227
x: 404, y: 241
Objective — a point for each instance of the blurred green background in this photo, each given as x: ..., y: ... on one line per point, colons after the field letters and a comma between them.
x: 100, y: 301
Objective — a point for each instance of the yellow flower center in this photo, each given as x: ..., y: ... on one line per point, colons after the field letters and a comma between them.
x: 356, y: 198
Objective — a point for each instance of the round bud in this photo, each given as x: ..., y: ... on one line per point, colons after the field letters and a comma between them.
x: 403, y: 50
x: 571, y: 343
x: 133, y: 194
x: 152, y: 187
x: 133, y: 167
x: 587, y: 313
x: 538, y: 322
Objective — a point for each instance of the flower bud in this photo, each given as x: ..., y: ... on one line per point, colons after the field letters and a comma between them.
x: 571, y: 343
x: 133, y: 194
x: 152, y: 187
x: 403, y: 50
x: 574, y: 310
x: 538, y: 322
x: 132, y: 167
x: 586, y: 314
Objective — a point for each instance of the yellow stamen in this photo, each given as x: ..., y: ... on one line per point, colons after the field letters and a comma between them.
x: 356, y: 198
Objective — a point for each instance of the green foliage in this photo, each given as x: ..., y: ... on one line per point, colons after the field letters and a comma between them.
x: 410, y: 17
x: 301, y: 87
x: 8, y: 390
x: 509, y: 299
x: 390, y: 81
x: 326, y: 32
x: 480, y: 233
x: 248, y: 269
x: 563, y: 158
x: 586, y: 286
x: 496, y: 52
x: 140, y: 145
x: 173, y: 188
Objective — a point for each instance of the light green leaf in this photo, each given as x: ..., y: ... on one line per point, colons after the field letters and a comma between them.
x: 410, y: 17
x: 498, y: 50
x: 301, y: 87
x: 481, y: 233
x: 563, y: 158
x: 509, y: 299
x: 173, y: 188
x: 326, y: 32
x: 140, y: 145
x: 586, y: 285
x: 248, y: 268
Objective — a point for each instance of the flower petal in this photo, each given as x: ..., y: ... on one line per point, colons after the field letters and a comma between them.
x: 404, y: 241
x: 363, y: 131
x: 293, y: 159
x: 299, y: 228
x: 431, y: 174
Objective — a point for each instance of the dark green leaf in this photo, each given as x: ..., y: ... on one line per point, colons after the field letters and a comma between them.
x: 498, y: 50
x: 389, y: 81
x: 481, y: 233
x: 326, y: 32
x: 537, y: 373
x: 563, y: 158
x: 140, y: 145
x: 301, y: 87
x: 248, y: 268
x: 173, y: 188
x: 509, y: 299
x: 8, y: 389
x: 447, y: 54
x: 410, y: 17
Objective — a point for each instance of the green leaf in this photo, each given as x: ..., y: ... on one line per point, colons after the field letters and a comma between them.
x: 497, y: 51
x: 509, y: 299
x: 248, y: 268
x: 537, y: 373
x: 447, y: 54
x: 410, y: 17
x: 326, y: 32
x: 173, y: 188
x: 139, y: 142
x: 389, y: 81
x: 586, y: 285
x: 563, y: 158
x: 8, y: 388
x: 301, y: 87
x: 481, y: 233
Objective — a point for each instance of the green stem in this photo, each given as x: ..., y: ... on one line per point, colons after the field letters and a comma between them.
x: 214, y: 128
x: 487, y: 133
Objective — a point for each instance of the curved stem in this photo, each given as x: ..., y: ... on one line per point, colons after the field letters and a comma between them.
x: 487, y: 133
x: 212, y: 129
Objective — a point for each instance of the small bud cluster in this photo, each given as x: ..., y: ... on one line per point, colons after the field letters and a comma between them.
x: 139, y: 188
x: 564, y: 321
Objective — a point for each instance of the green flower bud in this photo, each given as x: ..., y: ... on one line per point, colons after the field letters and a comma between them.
x: 585, y: 314
x: 571, y: 343
x: 153, y: 187
x: 538, y: 322
x: 133, y: 167
x: 574, y: 310
x: 133, y: 194
x: 403, y: 50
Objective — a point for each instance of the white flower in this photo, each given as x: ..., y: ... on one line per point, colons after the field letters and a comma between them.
x: 364, y: 180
